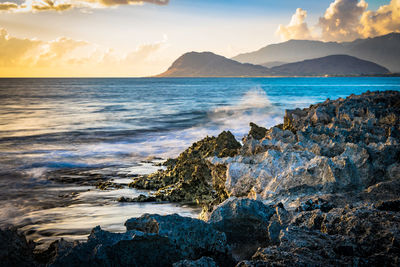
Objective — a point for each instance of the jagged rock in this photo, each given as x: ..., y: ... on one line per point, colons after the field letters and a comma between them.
x: 108, y: 185
x: 190, y: 178
x: 367, y: 234
x: 132, y: 248
x: 55, y: 250
x: 193, y: 237
x: 202, y: 262
x: 319, y: 203
x: 336, y: 146
x: 14, y: 249
x: 245, y: 223
x: 392, y: 205
x: 256, y: 131
x: 300, y: 247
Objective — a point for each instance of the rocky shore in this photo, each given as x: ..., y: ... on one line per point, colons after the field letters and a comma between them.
x: 323, y: 188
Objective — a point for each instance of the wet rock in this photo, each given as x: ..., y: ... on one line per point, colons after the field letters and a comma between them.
x: 15, y: 250
x: 132, y: 248
x: 337, y: 146
x: 56, y: 248
x: 193, y: 237
x: 299, y: 247
x: 202, y: 262
x: 190, y: 178
x: 256, y: 131
x: 319, y: 203
x: 108, y: 185
x: 392, y: 205
x: 245, y: 223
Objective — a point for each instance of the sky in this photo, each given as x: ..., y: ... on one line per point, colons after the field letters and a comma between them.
x: 132, y: 38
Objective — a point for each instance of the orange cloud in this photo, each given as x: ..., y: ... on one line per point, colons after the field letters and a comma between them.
x: 8, y: 6
x: 68, y: 57
x: 62, y: 5
x: 345, y: 20
x: 385, y: 20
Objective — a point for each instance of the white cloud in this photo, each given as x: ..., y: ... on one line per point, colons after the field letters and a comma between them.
x: 297, y: 28
x: 341, y: 20
x: 345, y: 20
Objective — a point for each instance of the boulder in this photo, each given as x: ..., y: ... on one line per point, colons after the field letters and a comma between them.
x: 132, y: 248
x: 191, y: 178
x: 14, y: 249
x: 256, y: 131
x: 245, y: 223
x: 193, y: 237
x: 202, y: 262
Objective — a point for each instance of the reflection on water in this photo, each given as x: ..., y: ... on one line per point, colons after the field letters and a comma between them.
x: 76, y: 221
x: 111, y: 128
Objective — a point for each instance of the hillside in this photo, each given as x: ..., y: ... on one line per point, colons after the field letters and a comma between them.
x: 330, y: 65
x: 383, y: 50
x: 207, y: 64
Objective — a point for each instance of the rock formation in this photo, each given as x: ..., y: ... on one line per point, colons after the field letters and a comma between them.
x: 323, y: 189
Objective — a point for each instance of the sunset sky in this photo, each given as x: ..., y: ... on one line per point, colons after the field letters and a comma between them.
x: 50, y: 38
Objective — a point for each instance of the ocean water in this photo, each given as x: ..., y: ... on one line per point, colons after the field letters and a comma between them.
x: 120, y: 128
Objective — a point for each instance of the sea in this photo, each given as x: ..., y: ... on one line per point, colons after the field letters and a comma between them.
x: 122, y: 128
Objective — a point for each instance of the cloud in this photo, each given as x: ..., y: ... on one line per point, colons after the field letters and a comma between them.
x: 8, y: 6
x: 68, y: 57
x: 341, y: 20
x: 385, y: 20
x: 345, y: 20
x: 131, y: 2
x: 62, y: 5
x: 297, y: 28
x: 16, y: 51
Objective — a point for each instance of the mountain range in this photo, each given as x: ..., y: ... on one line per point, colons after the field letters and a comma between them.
x: 383, y: 50
x: 369, y: 56
x: 207, y: 64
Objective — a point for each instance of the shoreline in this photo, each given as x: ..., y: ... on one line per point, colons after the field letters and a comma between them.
x: 327, y: 172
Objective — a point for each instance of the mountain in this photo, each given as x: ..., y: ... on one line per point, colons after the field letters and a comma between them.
x: 272, y: 64
x: 383, y: 50
x: 207, y: 64
x: 330, y: 65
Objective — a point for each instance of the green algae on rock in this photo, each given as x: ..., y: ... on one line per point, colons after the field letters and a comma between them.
x: 191, y: 178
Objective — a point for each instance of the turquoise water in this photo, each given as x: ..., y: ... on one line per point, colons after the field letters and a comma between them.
x: 115, y: 124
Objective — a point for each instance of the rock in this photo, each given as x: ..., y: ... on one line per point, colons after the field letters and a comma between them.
x: 319, y: 203
x: 392, y: 205
x: 132, y: 248
x: 190, y: 178
x: 202, y: 262
x: 56, y: 248
x: 108, y: 185
x: 15, y: 250
x: 300, y: 247
x: 245, y: 223
x: 257, y: 132
x: 337, y: 146
x: 193, y: 237
x: 274, y: 229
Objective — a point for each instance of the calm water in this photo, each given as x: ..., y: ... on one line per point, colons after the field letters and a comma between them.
x: 113, y: 125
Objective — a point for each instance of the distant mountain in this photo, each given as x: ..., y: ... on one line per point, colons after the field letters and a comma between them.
x: 207, y: 64
x: 383, y: 50
x: 273, y: 64
x: 330, y: 65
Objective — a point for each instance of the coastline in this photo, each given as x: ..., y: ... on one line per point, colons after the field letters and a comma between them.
x: 329, y: 165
